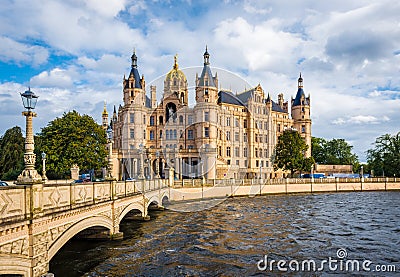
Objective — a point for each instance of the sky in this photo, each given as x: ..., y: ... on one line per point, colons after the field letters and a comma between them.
x: 74, y: 54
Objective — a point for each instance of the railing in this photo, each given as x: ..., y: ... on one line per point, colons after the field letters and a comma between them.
x: 25, y: 202
x: 278, y: 181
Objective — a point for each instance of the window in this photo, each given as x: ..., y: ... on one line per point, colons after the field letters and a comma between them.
x: 236, y: 122
x: 131, y: 147
x: 266, y: 139
x: 266, y: 153
x: 220, y: 150
x: 206, y: 116
x: 190, y: 119
x: 206, y: 92
x: 236, y: 151
x: 175, y: 134
x: 303, y: 128
x: 245, y: 123
x: 245, y: 137
x: 190, y: 134
x: 257, y: 163
x: 245, y: 163
x: 279, y: 127
x: 161, y: 134
x: 256, y: 137
x: 228, y: 135
x: 144, y: 134
x: 181, y: 119
x: 144, y: 119
x: 132, y: 118
x: 167, y: 134
x: 207, y: 132
x: 260, y: 152
x: 236, y: 136
x: 237, y: 162
x: 152, y: 135
x: 228, y: 162
x: 228, y: 121
x: 228, y: 151
x: 190, y: 147
x: 151, y: 120
x: 160, y: 120
x: 256, y: 152
x: 245, y: 152
x: 132, y: 133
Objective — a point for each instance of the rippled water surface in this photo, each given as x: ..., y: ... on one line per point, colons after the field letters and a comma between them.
x: 229, y: 239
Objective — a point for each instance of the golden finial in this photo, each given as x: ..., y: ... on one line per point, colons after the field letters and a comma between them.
x: 176, y: 61
x: 105, y: 108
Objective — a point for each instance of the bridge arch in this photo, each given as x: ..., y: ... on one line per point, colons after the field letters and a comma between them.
x: 93, y: 221
x: 130, y: 207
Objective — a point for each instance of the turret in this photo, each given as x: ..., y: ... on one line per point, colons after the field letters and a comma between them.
x: 104, y: 117
x: 301, y: 114
x: 206, y: 84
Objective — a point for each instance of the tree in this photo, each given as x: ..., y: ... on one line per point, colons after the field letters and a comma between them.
x: 384, y: 158
x: 12, y: 148
x: 335, y: 151
x: 289, y: 153
x: 73, y: 139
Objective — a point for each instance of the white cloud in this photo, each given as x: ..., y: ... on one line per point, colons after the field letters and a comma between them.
x: 13, y: 51
x: 109, y: 8
x: 360, y: 119
x: 54, y: 78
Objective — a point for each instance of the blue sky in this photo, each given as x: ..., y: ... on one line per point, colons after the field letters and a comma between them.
x: 74, y: 54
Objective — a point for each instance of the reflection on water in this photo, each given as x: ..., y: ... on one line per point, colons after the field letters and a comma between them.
x: 229, y: 239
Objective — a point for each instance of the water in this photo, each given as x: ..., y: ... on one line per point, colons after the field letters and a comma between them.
x: 231, y: 238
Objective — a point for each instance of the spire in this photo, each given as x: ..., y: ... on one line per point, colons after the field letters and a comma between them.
x: 206, y: 57
x: 105, y: 113
x: 176, y: 61
x: 268, y: 98
x: 300, y: 82
x: 134, y: 58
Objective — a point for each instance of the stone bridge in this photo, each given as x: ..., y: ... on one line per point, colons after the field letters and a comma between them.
x: 36, y: 221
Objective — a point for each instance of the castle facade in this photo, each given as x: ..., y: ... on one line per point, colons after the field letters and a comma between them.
x: 224, y: 135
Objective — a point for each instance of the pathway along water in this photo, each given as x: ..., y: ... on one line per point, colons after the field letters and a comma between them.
x: 231, y: 238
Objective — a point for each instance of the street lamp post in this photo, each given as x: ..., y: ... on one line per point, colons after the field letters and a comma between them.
x: 312, y: 173
x: 141, y: 169
x: 110, y: 161
x: 157, y: 164
x: 29, y: 175
x: 44, y: 177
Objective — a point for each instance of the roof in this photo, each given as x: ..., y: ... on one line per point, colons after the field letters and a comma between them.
x: 136, y: 75
x: 175, y: 72
x: 277, y: 108
x: 297, y: 100
x: 244, y: 96
x: 148, y: 102
x: 206, y: 73
x: 228, y: 98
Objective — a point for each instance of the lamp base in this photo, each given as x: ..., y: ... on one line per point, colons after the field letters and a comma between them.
x: 29, y: 176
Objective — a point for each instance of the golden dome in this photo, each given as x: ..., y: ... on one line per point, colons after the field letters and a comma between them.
x: 175, y: 72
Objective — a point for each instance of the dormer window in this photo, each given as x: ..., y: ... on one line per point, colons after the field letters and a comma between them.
x: 206, y: 92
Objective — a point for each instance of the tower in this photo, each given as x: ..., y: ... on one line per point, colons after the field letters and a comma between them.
x: 301, y: 114
x: 206, y: 85
x: 104, y: 117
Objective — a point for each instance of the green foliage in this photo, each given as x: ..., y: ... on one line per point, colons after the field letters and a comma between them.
x: 12, y: 148
x: 384, y: 158
x: 335, y: 151
x: 72, y: 139
x: 289, y: 153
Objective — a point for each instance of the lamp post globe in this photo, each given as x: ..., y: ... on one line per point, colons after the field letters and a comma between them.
x: 29, y: 175
x: 29, y: 99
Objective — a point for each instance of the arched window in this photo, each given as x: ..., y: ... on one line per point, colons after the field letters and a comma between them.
x: 181, y: 119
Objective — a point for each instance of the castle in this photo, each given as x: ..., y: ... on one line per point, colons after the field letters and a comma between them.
x: 224, y: 135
